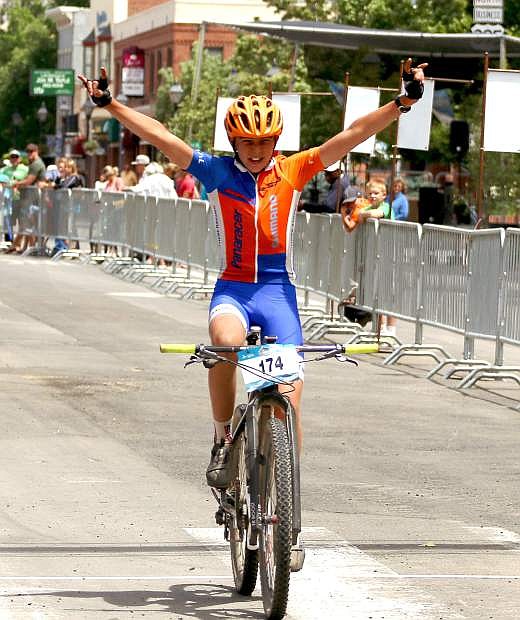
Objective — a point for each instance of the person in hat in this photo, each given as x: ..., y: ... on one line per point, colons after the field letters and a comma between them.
x: 139, y: 164
x: 337, y: 183
x: 14, y: 170
x: 351, y: 206
x: 155, y: 183
x: 254, y: 194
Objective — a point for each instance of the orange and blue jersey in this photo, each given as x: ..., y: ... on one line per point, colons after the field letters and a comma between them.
x: 255, y: 216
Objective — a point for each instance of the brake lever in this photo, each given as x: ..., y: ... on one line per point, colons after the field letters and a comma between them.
x: 343, y: 358
x: 194, y: 359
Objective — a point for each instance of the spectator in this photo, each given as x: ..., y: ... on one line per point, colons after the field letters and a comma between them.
x: 35, y: 177
x: 128, y: 176
x: 400, y: 202
x: 353, y: 203
x: 337, y: 182
x: 100, y: 183
x: 13, y: 171
x: 155, y: 183
x: 113, y: 182
x: 185, y: 185
x: 377, y: 206
x: 52, y: 175
x: 314, y: 194
x: 140, y: 163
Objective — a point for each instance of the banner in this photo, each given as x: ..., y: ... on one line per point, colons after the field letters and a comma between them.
x: 415, y: 125
x: 291, y: 111
x: 502, y: 129
x: 361, y: 101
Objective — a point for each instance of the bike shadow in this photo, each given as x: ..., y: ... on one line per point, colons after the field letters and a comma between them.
x: 202, y: 601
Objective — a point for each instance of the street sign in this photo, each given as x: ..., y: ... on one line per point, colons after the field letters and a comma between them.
x: 480, y: 3
x: 488, y: 15
x: 52, y: 82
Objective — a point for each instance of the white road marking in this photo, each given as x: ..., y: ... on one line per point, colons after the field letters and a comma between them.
x: 136, y: 294
x: 344, y: 581
x: 495, y: 534
x: 191, y: 577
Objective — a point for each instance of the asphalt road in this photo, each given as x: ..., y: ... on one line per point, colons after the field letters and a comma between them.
x: 410, y: 489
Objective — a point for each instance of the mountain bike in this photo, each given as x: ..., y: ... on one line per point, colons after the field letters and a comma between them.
x: 261, y: 508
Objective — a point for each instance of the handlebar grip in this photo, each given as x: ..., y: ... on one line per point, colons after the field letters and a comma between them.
x: 361, y: 348
x: 178, y: 348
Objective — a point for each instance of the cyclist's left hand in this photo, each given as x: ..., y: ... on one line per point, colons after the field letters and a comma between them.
x: 413, y: 78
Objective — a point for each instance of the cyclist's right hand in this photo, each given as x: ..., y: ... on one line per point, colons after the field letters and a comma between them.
x: 98, y: 89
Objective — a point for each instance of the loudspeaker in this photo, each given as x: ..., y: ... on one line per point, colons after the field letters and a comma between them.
x: 431, y: 206
x: 459, y: 138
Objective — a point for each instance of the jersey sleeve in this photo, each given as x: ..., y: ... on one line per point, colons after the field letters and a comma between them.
x: 301, y: 167
x: 206, y: 168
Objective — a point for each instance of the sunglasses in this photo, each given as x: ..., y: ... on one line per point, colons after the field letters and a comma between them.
x: 14, y: 156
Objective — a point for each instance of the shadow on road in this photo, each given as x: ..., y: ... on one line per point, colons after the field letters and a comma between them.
x: 200, y: 601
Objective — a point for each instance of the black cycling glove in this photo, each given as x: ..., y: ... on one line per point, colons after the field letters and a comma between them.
x: 413, y: 89
x: 106, y: 98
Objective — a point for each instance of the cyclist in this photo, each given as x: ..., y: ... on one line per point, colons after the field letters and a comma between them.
x: 254, y: 195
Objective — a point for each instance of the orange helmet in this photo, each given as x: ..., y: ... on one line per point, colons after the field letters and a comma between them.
x: 253, y: 117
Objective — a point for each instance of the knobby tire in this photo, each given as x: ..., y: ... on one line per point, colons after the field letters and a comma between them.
x: 243, y: 560
x: 276, y: 500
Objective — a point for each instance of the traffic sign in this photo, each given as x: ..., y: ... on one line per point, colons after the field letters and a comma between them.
x: 52, y: 82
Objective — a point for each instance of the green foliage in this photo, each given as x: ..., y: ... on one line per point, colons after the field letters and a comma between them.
x: 29, y: 42
x: 425, y: 16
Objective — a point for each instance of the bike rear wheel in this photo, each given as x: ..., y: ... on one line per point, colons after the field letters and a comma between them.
x: 244, y: 561
x: 276, y: 534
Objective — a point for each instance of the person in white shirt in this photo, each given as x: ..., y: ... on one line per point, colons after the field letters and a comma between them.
x: 155, y: 183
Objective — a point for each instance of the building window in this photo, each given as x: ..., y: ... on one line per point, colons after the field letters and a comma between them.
x: 169, y: 57
x: 88, y: 61
x: 104, y: 55
x: 216, y: 52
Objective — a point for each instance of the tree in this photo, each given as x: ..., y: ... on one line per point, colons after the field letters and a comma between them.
x: 28, y: 42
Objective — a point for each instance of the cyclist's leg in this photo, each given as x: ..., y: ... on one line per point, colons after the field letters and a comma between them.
x: 227, y: 326
x: 224, y: 330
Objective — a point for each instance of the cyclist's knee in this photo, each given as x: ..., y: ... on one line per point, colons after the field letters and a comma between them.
x: 226, y: 331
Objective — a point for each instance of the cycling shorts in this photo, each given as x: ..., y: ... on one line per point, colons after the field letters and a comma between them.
x: 273, y: 307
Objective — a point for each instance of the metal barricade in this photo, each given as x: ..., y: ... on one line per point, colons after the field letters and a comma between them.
x: 203, y: 250
x: 505, y: 306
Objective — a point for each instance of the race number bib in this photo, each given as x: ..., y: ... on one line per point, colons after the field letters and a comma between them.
x: 280, y: 361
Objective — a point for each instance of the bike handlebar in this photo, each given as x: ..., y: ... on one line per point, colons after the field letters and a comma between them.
x: 195, y: 349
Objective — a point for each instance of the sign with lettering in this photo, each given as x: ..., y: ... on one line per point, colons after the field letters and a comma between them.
x: 52, y: 82
x: 488, y: 15
x: 132, y: 72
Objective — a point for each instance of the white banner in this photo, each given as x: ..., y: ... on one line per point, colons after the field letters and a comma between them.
x: 361, y: 101
x: 415, y: 125
x: 291, y: 111
x: 502, y: 129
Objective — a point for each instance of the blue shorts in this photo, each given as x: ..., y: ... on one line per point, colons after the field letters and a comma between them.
x: 272, y: 307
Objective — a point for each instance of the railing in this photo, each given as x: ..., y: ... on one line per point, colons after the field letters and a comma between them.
x: 467, y: 282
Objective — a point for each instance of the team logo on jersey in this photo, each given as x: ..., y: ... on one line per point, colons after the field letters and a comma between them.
x: 273, y: 221
x: 238, y: 235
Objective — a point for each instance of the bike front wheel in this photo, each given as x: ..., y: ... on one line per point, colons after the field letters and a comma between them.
x: 243, y: 560
x: 276, y: 534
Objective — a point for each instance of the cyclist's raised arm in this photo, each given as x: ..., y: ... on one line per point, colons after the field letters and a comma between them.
x: 141, y: 125
x: 338, y: 146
